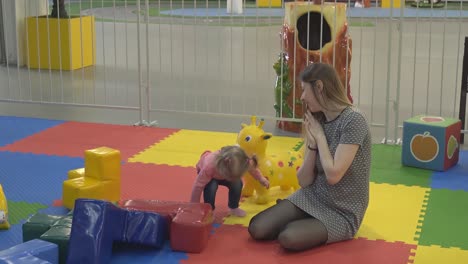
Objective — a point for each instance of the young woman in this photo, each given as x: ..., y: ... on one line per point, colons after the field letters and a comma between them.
x: 334, y: 177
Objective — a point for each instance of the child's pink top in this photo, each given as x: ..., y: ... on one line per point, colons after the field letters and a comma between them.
x: 206, y: 169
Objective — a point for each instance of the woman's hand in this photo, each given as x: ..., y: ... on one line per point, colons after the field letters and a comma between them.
x: 312, y: 125
x: 313, y: 129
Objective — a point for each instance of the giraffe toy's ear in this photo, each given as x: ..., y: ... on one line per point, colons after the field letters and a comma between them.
x: 267, y: 136
x: 243, y: 125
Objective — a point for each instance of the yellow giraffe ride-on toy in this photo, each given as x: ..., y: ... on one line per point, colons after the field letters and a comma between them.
x: 279, y: 168
x: 3, y: 210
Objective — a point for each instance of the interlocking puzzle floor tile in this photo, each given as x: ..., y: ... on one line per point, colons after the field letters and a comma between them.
x: 34, y: 178
x: 73, y: 138
x: 136, y: 254
x: 18, y: 211
x: 185, y: 147
x: 12, y: 236
x: 251, y: 208
x: 438, y: 255
x: 387, y: 168
x: 393, y: 212
x: 232, y: 244
x: 445, y: 220
x: 54, y: 210
x: 455, y: 178
x: 156, y: 182
x: 16, y: 128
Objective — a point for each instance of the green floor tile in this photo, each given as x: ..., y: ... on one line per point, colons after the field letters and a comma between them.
x: 18, y: 211
x: 386, y: 167
x: 446, y: 219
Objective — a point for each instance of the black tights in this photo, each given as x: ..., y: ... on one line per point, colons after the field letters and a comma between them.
x: 294, y: 229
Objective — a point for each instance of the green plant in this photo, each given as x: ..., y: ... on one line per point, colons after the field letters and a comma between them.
x: 283, y: 86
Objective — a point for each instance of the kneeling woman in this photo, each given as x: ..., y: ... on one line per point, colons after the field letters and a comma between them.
x: 334, y: 177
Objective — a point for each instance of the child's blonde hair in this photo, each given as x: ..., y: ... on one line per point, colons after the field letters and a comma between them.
x: 232, y: 162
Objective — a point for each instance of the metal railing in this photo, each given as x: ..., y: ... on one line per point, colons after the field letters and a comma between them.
x: 193, y: 57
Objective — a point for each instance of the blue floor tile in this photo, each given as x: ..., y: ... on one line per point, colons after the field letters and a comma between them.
x: 16, y: 128
x: 35, y: 178
x: 455, y: 178
x: 12, y: 236
x: 55, y: 210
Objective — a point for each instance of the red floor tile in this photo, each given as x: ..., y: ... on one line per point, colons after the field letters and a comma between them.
x: 163, y: 182
x: 73, y: 138
x: 232, y: 244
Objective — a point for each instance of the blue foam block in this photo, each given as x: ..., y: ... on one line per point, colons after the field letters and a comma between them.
x: 32, y: 251
x: 16, y: 128
x: 455, y: 178
x: 35, y: 178
x: 96, y: 224
x: 145, y: 228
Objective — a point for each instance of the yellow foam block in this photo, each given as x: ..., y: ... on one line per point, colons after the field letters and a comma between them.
x: 110, y: 191
x: 4, y: 224
x: 388, y: 3
x: 252, y: 208
x: 78, y: 173
x: 269, y: 3
x: 89, y: 188
x: 185, y: 147
x: 78, y: 188
x: 437, y: 255
x: 393, y: 213
x: 103, y: 163
x: 66, y: 44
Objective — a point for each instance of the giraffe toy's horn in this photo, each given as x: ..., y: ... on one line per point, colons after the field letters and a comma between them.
x: 253, y: 120
x: 262, y: 122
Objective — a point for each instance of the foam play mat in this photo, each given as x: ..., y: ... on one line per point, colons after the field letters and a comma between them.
x: 414, y: 215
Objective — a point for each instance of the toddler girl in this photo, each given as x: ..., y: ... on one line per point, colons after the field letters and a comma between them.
x: 224, y: 167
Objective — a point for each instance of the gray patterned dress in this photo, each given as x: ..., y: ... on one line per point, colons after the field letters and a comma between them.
x: 341, y: 207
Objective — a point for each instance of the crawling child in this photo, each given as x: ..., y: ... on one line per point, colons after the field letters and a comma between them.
x: 225, y: 167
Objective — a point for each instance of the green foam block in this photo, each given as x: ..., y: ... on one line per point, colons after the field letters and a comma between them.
x: 37, y: 225
x: 59, y: 234
x: 52, y: 228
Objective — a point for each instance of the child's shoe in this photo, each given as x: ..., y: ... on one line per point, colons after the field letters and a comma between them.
x: 238, y: 212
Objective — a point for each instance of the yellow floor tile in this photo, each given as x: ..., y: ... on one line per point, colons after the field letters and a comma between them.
x: 185, y: 147
x: 439, y: 255
x: 393, y: 213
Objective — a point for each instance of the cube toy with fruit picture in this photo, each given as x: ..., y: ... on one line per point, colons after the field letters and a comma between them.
x: 431, y: 142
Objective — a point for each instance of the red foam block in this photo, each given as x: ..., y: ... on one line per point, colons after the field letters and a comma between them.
x: 190, y: 223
